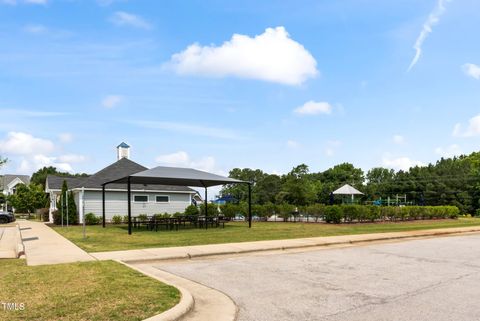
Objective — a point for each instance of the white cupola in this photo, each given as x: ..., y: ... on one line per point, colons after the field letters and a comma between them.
x: 123, y: 151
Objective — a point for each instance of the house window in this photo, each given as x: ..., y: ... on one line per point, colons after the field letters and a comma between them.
x: 140, y: 198
x: 162, y: 199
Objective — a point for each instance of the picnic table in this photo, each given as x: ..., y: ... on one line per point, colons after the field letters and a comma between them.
x: 173, y: 223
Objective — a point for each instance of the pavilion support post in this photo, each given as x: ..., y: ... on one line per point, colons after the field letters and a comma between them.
x: 249, y: 205
x: 129, y: 193
x: 206, y: 208
x: 103, y: 206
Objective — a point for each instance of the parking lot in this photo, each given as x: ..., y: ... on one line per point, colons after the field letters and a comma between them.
x: 426, y: 279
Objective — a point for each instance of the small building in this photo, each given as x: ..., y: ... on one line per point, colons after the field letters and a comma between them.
x: 146, y: 199
x: 8, y: 186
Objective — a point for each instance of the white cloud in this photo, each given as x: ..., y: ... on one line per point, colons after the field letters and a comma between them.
x: 400, y: 163
x: 471, y: 130
x: 292, y: 143
x: 65, y: 137
x: 121, y: 18
x: 272, y: 56
x: 112, y: 101
x: 34, y: 163
x: 18, y: 143
x: 190, y: 129
x: 398, y: 139
x: 72, y: 158
x: 32, y: 153
x: 314, y: 108
x: 182, y: 159
x: 432, y: 20
x: 471, y: 70
x: 449, y: 151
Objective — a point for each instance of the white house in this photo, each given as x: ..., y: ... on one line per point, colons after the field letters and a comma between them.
x: 146, y: 199
x: 8, y: 184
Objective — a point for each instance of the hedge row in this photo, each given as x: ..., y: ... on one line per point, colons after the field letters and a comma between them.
x: 345, y: 213
x: 359, y: 213
x: 330, y: 214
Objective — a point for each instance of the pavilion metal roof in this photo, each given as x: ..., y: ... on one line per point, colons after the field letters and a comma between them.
x: 347, y: 190
x: 176, y: 176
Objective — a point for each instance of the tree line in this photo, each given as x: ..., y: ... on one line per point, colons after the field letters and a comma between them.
x: 450, y: 181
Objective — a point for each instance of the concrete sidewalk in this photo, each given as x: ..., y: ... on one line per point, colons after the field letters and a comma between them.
x: 45, y: 246
x: 187, y: 252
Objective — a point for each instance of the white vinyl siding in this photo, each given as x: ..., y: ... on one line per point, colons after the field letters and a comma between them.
x: 116, y: 203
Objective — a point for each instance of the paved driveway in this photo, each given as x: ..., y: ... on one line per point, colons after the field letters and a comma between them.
x: 430, y: 279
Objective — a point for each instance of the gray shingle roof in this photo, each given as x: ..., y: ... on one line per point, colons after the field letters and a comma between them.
x: 8, y: 178
x: 56, y: 182
x: 117, y: 170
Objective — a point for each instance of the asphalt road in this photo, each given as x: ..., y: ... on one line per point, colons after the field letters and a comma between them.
x: 429, y: 279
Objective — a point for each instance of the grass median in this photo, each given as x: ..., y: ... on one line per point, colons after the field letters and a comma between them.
x: 98, y: 291
x: 115, y: 237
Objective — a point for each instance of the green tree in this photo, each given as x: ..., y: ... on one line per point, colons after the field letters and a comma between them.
x: 27, y: 199
x: 299, y: 187
x: 379, y: 182
x: 66, y: 202
x: 240, y: 191
x: 335, y: 177
x: 40, y: 176
x: 267, y: 188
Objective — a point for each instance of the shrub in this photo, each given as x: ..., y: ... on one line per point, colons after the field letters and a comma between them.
x: 125, y: 219
x: 333, y: 214
x: 57, y: 217
x: 191, y: 210
x: 177, y: 214
x: 229, y: 210
x: 351, y: 213
x: 92, y: 219
x: 117, y: 219
x: 212, y: 209
x: 142, y: 217
x: 317, y: 211
x: 43, y: 213
x: 260, y: 211
x: 286, y: 211
x: 374, y: 213
x: 270, y: 209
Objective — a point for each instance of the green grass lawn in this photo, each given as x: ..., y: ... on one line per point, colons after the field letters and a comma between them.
x: 115, y: 237
x: 81, y: 291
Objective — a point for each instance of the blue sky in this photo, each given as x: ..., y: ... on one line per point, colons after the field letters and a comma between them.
x: 222, y: 84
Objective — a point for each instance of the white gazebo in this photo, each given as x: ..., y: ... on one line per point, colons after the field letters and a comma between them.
x: 347, y: 190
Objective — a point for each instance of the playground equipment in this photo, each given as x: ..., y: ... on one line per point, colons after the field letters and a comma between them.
x: 398, y: 200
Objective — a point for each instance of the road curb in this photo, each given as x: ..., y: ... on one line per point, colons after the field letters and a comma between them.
x: 20, y: 247
x: 185, y: 305
x: 325, y: 242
